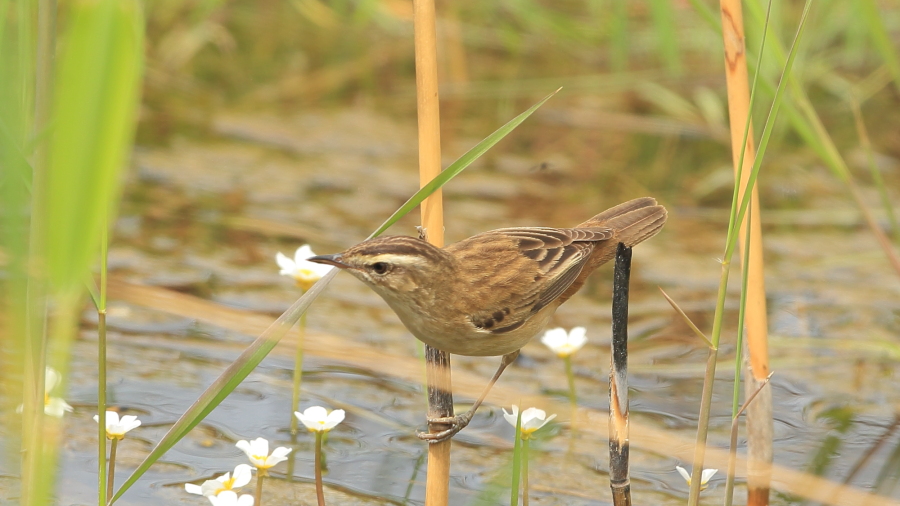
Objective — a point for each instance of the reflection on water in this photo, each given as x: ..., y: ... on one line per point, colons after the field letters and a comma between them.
x: 207, y: 219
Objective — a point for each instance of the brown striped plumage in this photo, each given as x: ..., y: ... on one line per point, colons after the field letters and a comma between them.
x: 490, y: 294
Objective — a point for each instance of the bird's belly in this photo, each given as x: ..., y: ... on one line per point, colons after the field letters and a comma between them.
x: 462, y: 338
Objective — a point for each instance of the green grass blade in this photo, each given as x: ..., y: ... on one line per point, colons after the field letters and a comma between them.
x: 667, y: 42
x: 459, y: 165
x: 767, y: 132
x: 95, y: 107
x: 257, y: 351
x: 516, y: 463
x: 880, y: 38
x: 230, y: 378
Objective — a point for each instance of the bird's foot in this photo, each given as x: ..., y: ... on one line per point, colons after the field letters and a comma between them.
x: 456, y: 424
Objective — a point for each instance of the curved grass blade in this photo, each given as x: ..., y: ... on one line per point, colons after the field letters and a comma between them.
x: 257, y: 351
x: 458, y: 166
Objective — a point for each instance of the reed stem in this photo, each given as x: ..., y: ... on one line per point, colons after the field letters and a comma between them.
x: 619, y: 447
x: 440, y: 397
x: 753, y: 310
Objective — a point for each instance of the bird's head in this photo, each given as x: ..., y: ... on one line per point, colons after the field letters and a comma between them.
x: 393, y: 265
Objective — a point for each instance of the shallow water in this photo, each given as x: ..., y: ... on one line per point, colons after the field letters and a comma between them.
x: 206, y: 219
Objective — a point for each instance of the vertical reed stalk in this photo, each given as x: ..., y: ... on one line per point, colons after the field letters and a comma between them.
x: 619, y: 481
x: 759, y: 415
x: 440, y: 398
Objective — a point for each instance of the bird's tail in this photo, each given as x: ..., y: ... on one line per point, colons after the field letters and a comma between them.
x: 634, y: 221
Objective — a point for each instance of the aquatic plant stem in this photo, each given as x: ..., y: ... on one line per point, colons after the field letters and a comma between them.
x: 320, y: 489
x: 298, y: 373
x: 516, y: 463
x: 111, y: 474
x: 571, y: 377
x: 260, y: 475
x: 525, y: 472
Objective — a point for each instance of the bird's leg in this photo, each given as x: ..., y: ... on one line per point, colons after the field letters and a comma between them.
x: 458, y: 422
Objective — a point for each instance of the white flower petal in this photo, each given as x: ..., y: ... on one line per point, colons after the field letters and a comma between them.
x: 242, y: 473
x: 512, y: 417
x: 706, y: 475
x: 52, y: 377
x: 684, y: 474
x: 577, y: 337
x: 553, y: 338
x: 229, y: 498
x: 287, y: 265
x: 213, y: 487
x: 57, y: 407
x: 334, y: 418
x: 190, y: 488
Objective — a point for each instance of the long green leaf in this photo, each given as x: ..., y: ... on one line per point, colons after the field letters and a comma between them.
x: 257, y: 351
x: 95, y: 106
x: 459, y: 165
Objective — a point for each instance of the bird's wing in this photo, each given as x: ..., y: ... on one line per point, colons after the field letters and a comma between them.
x: 542, y: 264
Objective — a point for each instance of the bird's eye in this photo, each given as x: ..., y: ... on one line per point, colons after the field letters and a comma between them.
x: 380, y: 267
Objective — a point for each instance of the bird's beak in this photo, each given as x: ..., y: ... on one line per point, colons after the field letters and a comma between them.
x: 334, y: 260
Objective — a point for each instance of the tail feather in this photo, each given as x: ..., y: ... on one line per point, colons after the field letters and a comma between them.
x: 634, y: 221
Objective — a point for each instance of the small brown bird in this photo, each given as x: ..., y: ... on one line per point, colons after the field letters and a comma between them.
x: 488, y: 295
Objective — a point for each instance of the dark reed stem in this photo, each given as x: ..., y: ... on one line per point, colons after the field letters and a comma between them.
x: 619, y: 481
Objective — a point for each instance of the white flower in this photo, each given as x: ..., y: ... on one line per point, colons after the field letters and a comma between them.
x: 532, y: 419
x: 223, y: 483
x: 704, y: 476
x: 318, y: 419
x: 564, y: 343
x: 53, y: 406
x: 304, y: 273
x: 229, y: 498
x: 115, y: 427
x: 258, y: 452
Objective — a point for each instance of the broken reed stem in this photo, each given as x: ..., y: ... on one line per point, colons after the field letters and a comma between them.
x: 619, y: 480
x: 759, y: 415
x: 440, y: 404
x: 732, y: 453
x: 440, y: 397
